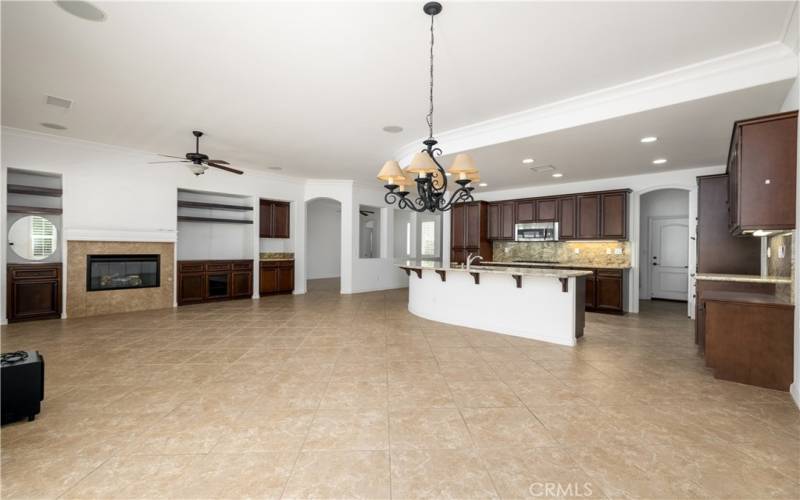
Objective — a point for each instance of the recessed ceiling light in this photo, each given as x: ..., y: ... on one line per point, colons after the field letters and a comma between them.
x: 482, y: 184
x: 558, y: 175
x: 448, y: 174
x: 649, y: 138
x: 275, y: 168
x: 659, y: 161
x: 84, y: 10
x: 393, y: 129
x: 527, y: 161
x: 54, y: 126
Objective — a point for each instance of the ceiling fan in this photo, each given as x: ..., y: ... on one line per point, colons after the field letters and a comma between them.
x: 199, y: 161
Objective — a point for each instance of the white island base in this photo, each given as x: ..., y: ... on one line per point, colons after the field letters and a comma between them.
x: 537, y: 304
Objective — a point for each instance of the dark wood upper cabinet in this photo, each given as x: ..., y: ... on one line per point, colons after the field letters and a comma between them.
x: 614, y: 216
x: 526, y: 211
x: 718, y: 251
x: 501, y: 220
x: 547, y: 210
x: 566, y: 218
x: 762, y: 170
x: 588, y: 216
x: 469, y: 231
x: 273, y: 219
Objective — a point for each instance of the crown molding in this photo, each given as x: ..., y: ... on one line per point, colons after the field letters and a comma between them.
x: 760, y: 65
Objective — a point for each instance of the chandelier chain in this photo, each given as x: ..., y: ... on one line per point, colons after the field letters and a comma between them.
x: 429, y: 118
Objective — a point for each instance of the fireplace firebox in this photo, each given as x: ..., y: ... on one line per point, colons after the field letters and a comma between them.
x: 119, y: 272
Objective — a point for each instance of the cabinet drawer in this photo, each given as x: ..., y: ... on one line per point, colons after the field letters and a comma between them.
x: 242, y: 266
x: 190, y: 267
x: 218, y: 266
x: 610, y: 273
x: 29, y: 274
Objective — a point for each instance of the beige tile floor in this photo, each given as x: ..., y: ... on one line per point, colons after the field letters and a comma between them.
x: 332, y: 396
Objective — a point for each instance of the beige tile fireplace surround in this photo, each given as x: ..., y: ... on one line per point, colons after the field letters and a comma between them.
x: 82, y: 303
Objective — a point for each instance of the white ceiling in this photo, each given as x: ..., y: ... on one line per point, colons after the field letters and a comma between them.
x: 308, y: 87
x: 692, y: 134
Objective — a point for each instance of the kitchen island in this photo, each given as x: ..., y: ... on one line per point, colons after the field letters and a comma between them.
x: 537, y: 304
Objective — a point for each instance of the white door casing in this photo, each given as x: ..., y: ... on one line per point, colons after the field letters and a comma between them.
x: 668, y: 258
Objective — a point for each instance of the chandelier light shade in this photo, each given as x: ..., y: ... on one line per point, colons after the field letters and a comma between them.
x: 391, y: 172
x: 431, y: 181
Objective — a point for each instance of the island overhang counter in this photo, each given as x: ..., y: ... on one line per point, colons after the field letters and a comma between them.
x: 537, y: 304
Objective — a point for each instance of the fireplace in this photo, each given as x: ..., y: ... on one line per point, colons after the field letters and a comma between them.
x: 119, y: 272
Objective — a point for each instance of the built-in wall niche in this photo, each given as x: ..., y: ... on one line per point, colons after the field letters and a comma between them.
x: 214, y: 226
x: 33, y: 217
x: 369, y: 232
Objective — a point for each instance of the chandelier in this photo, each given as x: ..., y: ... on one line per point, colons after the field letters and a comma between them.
x: 431, y: 179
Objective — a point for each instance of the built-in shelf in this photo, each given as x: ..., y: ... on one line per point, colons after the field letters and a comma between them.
x: 213, y: 206
x: 19, y: 209
x: 186, y: 218
x: 34, y: 190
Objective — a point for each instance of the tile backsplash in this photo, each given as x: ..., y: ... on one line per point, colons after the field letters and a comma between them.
x: 589, y: 253
x: 276, y: 255
x: 781, y: 244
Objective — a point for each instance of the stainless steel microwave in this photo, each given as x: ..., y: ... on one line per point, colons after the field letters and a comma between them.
x: 536, y: 231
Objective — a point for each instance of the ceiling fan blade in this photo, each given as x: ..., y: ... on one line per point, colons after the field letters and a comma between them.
x: 170, y: 156
x: 168, y: 161
x: 223, y: 167
x: 221, y: 162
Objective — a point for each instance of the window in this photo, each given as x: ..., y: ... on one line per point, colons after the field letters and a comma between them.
x: 428, y: 238
x: 43, y: 238
x: 408, y: 238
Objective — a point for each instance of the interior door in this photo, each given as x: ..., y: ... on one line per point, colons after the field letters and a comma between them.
x: 669, y: 258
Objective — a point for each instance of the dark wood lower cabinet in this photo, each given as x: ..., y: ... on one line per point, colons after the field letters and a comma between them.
x: 609, y: 289
x: 34, y: 291
x: 749, y: 339
x: 213, y: 280
x: 276, y: 276
x: 704, y: 287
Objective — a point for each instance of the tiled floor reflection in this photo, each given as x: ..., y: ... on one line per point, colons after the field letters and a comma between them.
x: 331, y: 396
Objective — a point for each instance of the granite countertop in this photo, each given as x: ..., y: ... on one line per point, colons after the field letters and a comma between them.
x: 543, y: 273
x: 743, y: 278
x: 556, y: 264
x: 276, y: 259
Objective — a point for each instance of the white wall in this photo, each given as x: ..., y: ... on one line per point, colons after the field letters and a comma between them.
x: 639, y: 184
x: 323, y: 239
x: 213, y: 240
x: 401, y: 219
x: 662, y: 203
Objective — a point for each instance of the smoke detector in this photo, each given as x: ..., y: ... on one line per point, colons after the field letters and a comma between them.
x: 58, y: 102
x: 543, y: 168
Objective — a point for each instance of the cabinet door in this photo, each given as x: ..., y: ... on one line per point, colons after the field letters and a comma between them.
x: 191, y: 288
x: 458, y: 255
x: 34, y: 299
x: 280, y: 220
x: 566, y: 218
x: 588, y: 217
x: 494, y: 221
x: 614, y: 216
x: 473, y: 226
x: 733, y: 182
x: 458, y: 229
x: 265, y: 219
x: 285, y: 279
x: 218, y: 285
x: 609, y: 292
x: 241, y: 283
x: 526, y: 211
x: 268, y: 280
x: 507, y: 220
x: 547, y: 210
x: 591, y: 296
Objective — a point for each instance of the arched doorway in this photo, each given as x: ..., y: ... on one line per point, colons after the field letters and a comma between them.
x: 323, y: 256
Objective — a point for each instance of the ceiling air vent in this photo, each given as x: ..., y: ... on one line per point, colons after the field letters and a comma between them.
x: 543, y: 168
x: 58, y: 101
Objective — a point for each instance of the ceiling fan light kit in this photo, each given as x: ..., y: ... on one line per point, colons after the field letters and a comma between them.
x: 431, y: 177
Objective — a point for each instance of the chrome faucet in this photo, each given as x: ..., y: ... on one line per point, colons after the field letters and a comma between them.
x: 472, y: 258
